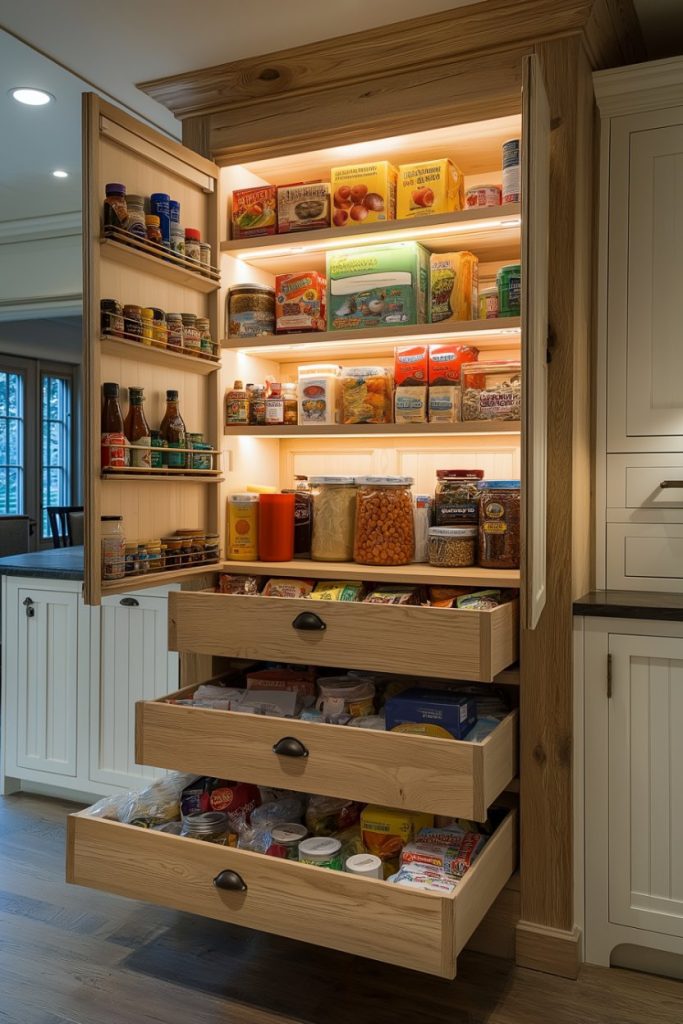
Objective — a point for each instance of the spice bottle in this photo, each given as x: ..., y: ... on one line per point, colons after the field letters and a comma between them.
x: 237, y: 404
x: 114, y: 447
x: 132, y: 322
x: 191, y: 336
x: 172, y: 430
x: 192, y: 250
x: 147, y: 325
x: 111, y: 313
x: 159, y: 203
x: 276, y: 527
x: 243, y: 527
x: 115, y: 206
x: 153, y: 229
x: 136, y: 216
x: 275, y: 404
x: 174, y: 322
x: 113, y: 545
x: 303, y: 517
x: 159, y: 328
x: 177, y: 240
x: 136, y: 429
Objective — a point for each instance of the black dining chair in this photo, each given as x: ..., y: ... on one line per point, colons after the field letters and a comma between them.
x: 66, y: 531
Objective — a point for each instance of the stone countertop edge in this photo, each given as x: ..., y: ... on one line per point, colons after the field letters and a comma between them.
x: 631, y: 604
x: 50, y: 564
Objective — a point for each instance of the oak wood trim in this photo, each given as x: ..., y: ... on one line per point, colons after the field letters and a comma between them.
x: 548, y: 949
x: 613, y: 35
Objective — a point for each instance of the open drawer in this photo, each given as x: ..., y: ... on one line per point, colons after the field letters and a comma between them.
x: 441, y: 776
x: 367, y: 917
x: 448, y: 643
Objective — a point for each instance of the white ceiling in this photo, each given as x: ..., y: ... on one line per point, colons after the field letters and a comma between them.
x: 111, y: 48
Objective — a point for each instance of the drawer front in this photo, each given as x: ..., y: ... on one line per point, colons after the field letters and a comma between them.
x: 645, y: 482
x: 440, y: 776
x: 643, y: 556
x: 447, y: 643
x: 333, y: 909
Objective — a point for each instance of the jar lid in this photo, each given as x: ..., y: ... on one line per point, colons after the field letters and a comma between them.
x: 289, y: 832
x: 204, y: 245
x: 241, y: 499
x: 488, y: 184
x: 332, y: 480
x: 152, y: 220
x: 136, y: 200
x: 500, y: 485
x: 160, y: 197
x: 173, y: 316
x: 385, y: 481
x: 248, y: 289
x: 114, y: 186
x: 111, y: 519
x: 206, y: 822
x: 510, y: 268
x: 460, y: 474
x: 131, y: 307
x: 193, y: 234
x: 320, y: 846
x: 452, y: 531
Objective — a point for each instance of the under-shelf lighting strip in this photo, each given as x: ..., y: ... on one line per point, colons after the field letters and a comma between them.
x: 509, y: 336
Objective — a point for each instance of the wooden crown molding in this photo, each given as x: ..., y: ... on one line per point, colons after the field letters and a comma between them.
x: 640, y: 87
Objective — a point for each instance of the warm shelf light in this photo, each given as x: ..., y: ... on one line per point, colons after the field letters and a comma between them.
x: 508, y: 337
x: 31, y: 97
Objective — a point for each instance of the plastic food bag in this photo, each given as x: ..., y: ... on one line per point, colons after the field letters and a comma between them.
x: 277, y: 811
x: 154, y: 805
x: 327, y: 815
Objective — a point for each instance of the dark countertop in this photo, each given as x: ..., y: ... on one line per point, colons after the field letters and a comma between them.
x: 631, y: 604
x: 52, y: 564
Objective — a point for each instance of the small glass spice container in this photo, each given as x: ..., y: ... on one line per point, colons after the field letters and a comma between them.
x: 147, y: 325
x: 192, y: 239
x: 132, y: 322
x: 456, y: 501
x: 153, y: 228
x: 159, y: 328
x: 174, y: 323
x: 211, y: 547
x: 205, y: 258
x: 173, y: 552
x: 205, y: 339
x: 209, y: 826
x: 132, y: 561
x: 385, y: 529
x: 135, y: 224
x: 499, y: 524
x: 452, y: 547
x: 154, y: 555
x: 257, y: 405
x: 143, y: 558
x: 191, y: 336
x: 111, y: 313
x: 177, y: 240
x: 115, y: 207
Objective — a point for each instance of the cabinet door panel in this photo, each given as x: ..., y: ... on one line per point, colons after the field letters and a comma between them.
x: 47, y: 681
x: 134, y: 665
x: 646, y: 783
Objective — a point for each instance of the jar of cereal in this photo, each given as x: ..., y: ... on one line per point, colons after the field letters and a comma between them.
x: 385, y: 532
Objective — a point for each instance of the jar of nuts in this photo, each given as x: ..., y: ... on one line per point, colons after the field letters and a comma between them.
x: 385, y: 532
x: 453, y: 547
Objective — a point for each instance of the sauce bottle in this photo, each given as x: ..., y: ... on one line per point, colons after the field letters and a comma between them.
x: 237, y: 404
x: 275, y: 403
x: 172, y: 430
x: 114, y: 447
x: 136, y: 429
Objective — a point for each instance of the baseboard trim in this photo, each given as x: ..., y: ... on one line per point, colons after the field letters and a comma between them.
x: 548, y: 949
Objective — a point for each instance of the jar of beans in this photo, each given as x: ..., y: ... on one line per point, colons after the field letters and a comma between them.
x: 453, y: 547
x: 499, y: 524
x: 385, y: 532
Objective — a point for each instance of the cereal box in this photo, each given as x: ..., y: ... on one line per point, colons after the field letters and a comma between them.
x: 254, y: 211
x: 411, y: 365
x: 454, y: 286
x: 377, y: 286
x: 303, y: 207
x: 363, y: 194
x: 435, y: 186
x: 300, y: 302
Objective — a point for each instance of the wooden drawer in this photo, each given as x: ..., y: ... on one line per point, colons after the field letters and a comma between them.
x: 644, y: 556
x: 441, y: 776
x: 366, y: 917
x: 446, y: 643
x: 635, y: 482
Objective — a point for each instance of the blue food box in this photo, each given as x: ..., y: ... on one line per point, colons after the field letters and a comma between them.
x: 431, y: 713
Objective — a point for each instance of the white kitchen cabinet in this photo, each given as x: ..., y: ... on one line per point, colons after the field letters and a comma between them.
x: 134, y: 663
x: 633, y: 715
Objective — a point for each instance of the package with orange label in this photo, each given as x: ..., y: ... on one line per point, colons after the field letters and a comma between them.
x: 363, y: 194
x: 254, y: 211
x: 386, y: 830
x: 411, y: 365
x: 446, y: 361
x: 300, y: 302
x: 435, y: 186
x: 454, y: 286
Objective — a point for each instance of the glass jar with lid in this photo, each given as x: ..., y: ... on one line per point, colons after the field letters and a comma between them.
x: 499, y: 524
x: 174, y: 323
x: 147, y: 325
x: 159, y: 328
x: 385, y: 530
x: 210, y: 826
x: 456, y: 502
x: 132, y: 322
x: 452, y: 547
x: 191, y: 336
x: 205, y: 339
x: 113, y: 548
x: 334, y: 518
x: 136, y: 216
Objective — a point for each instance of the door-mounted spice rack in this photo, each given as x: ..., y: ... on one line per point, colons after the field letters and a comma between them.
x: 151, y: 258
x: 203, y: 463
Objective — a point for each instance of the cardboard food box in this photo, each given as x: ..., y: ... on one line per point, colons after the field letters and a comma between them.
x: 431, y: 713
x: 377, y: 286
x: 303, y: 207
x: 447, y: 360
x: 435, y: 186
x: 410, y: 404
x: 386, y: 830
x: 454, y: 286
x: 444, y: 404
x: 254, y: 211
x: 363, y: 194
x: 300, y: 302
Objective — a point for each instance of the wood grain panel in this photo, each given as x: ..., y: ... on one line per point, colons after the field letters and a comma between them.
x: 451, y: 643
x: 548, y: 949
x: 417, y: 572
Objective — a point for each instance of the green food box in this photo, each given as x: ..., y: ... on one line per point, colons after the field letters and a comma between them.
x: 377, y: 286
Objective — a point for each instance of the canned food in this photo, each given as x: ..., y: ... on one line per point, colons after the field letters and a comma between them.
x: 483, y: 195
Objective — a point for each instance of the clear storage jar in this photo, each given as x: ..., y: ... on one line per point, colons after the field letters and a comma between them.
x: 385, y: 531
x: 453, y: 547
x: 456, y: 501
x: 334, y: 518
x: 499, y: 524
x: 113, y: 548
x: 136, y: 216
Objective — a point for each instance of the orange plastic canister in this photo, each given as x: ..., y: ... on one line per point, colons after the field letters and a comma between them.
x: 276, y: 527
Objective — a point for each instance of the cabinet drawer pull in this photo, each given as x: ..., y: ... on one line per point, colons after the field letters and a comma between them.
x: 230, y: 881
x: 290, y: 746
x: 667, y: 484
x: 308, y: 620
x: 130, y: 602
x: 30, y: 610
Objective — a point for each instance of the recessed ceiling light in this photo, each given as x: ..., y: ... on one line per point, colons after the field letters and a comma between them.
x: 60, y: 174
x: 31, y: 97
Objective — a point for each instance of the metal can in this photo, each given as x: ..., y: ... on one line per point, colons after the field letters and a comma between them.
x: 511, y: 172
x: 156, y: 456
x: 483, y: 195
x: 509, y: 283
x: 488, y: 304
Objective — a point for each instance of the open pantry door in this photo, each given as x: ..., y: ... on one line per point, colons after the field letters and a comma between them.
x: 534, y: 303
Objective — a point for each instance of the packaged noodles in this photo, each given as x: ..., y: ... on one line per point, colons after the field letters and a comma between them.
x: 454, y: 285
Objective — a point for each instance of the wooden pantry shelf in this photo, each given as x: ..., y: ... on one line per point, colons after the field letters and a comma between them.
x: 493, y: 233
x: 502, y: 333
x: 376, y: 430
x: 156, y: 579
x: 136, y: 258
x: 417, y: 573
x: 157, y: 356
x: 137, y: 474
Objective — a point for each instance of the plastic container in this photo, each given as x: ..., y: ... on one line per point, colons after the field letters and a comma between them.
x: 243, y: 527
x: 136, y: 216
x: 456, y: 501
x: 289, y: 835
x: 276, y: 527
x: 365, y: 864
x: 211, y: 826
x: 509, y: 285
x: 113, y: 548
x: 385, y: 531
x: 492, y: 391
x: 322, y: 851
x: 499, y: 524
x: 453, y: 547
x: 334, y: 518
x: 318, y: 394
x: 366, y: 394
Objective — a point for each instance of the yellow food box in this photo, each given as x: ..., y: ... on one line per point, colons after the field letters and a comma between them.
x: 453, y: 286
x: 363, y: 194
x: 386, y: 830
x: 435, y: 186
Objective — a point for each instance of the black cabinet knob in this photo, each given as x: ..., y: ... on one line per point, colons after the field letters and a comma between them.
x: 230, y: 881
x: 290, y: 746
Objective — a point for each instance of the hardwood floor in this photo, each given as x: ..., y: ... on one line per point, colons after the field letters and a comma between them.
x: 74, y: 956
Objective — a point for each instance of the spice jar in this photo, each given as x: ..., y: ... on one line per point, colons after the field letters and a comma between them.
x: 115, y: 207
x: 456, y: 501
x: 159, y: 328
x: 147, y: 325
x: 153, y: 228
x: 192, y: 251
x: 132, y: 563
x: 205, y: 258
x: 257, y: 404
x: 209, y: 826
x: 159, y: 205
x: 334, y: 518
x: 177, y: 240
x: 191, y: 337
x: 111, y: 317
x: 250, y: 310
x: 453, y: 547
x: 174, y: 322
x: 113, y: 548
x: 132, y: 322
x: 136, y: 216
x: 276, y: 527
x: 173, y: 551
x: 385, y: 532
x: 211, y: 547
x: 143, y: 558
x: 205, y: 339
x: 154, y: 555
x: 243, y: 527
x: 499, y: 524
